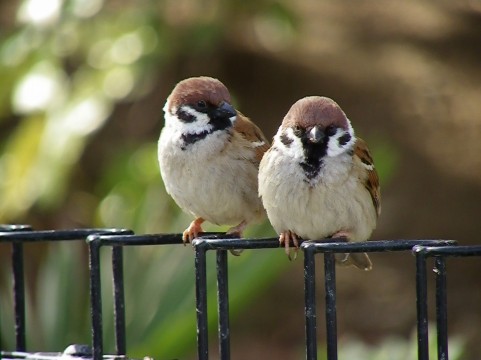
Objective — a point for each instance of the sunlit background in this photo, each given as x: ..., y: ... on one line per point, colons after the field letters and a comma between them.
x: 82, y: 86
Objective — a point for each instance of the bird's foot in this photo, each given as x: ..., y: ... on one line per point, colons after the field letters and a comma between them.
x: 341, y: 234
x: 285, y: 239
x: 359, y: 260
x: 237, y: 230
x: 192, y: 231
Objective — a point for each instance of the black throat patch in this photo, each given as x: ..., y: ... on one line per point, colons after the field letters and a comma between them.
x: 313, y: 158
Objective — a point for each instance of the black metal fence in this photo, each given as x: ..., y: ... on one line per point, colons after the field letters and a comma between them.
x: 116, y: 239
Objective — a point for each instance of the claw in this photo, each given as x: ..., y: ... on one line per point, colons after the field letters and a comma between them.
x: 192, y: 231
x: 342, y: 234
x: 237, y: 230
x: 285, y: 238
x: 359, y: 260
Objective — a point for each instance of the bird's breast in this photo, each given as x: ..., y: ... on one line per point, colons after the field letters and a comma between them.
x: 212, y: 180
x: 315, y: 208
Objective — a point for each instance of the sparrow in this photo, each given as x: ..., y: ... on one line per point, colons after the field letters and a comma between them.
x: 318, y: 179
x: 209, y: 155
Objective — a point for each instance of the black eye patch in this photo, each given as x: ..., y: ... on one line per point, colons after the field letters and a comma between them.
x: 185, y: 116
x: 344, y: 139
x: 286, y: 140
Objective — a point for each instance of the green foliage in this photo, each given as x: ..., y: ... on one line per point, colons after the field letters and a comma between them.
x: 64, y: 70
x: 56, y: 302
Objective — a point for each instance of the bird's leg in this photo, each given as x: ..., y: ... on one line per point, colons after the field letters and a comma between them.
x: 342, y: 234
x: 342, y: 259
x: 237, y: 230
x: 193, y: 230
x: 359, y: 260
x: 285, y: 239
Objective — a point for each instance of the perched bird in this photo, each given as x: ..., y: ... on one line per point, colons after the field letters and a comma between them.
x: 209, y: 156
x: 318, y: 180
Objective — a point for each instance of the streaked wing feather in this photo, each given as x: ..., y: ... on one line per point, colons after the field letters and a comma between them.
x: 252, y: 133
x: 372, y: 180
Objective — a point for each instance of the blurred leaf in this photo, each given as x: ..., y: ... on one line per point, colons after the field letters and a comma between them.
x: 102, y: 54
x: 62, y: 289
x: 16, y: 166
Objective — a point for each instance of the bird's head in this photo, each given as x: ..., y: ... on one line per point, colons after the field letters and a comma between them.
x: 199, y: 105
x: 316, y: 127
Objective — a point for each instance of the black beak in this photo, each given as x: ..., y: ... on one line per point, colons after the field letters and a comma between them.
x: 225, y: 110
x: 315, y: 135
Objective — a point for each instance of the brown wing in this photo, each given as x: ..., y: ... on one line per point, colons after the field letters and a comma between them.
x: 252, y: 133
x: 372, y: 180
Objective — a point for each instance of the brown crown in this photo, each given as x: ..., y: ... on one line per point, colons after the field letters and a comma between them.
x: 315, y: 110
x: 195, y: 89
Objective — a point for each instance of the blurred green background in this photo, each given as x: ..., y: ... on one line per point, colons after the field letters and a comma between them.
x: 82, y: 86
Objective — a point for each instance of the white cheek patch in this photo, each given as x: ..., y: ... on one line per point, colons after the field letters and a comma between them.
x: 288, y: 143
x: 201, y: 124
x: 335, y: 146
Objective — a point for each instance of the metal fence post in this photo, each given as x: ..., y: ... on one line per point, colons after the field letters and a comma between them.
x: 119, y: 299
x: 19, y: 296
x: 18, y: 286
x: 223, y: 304
x: 441, y: 307
x: 201, y: 301
x: 331, y: 316
x: 422, y: 305
x: 95, y: 297
x: 310, y: 303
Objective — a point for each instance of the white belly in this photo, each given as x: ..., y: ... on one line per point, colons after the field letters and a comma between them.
x: 317, y: 210
x: 210, y: 183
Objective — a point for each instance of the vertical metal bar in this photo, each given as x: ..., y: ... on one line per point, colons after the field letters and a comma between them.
x: 422, y: 306
x: 119, y: 299
x: 223, y: 305
x: 201, y: 301
x: 331, y: 317
x: 95, y: 299
x: 19, y: 295
x: 441, y: 308
x: 310, y: 303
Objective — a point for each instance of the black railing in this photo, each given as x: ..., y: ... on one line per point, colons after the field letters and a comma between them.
x: 440, y: 253
x: 116, y: 239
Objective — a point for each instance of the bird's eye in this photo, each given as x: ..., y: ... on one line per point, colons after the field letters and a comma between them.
x: 201, y: 104
x: 331, y: 130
